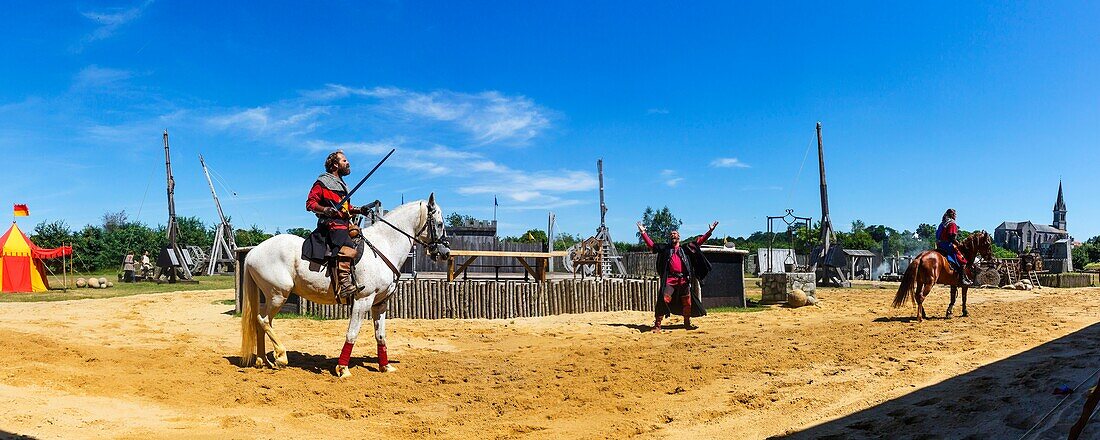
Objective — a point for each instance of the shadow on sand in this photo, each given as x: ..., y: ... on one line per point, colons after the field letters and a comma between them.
x: 319, y: 364
x: 642, y: 328
x: 1000, y: 400
x: 5, y: 435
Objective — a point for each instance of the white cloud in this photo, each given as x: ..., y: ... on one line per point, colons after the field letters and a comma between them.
x: 95, y: 76
x: 489, y: 117
x: 110, y: 21
x: 377, y: 147
x: 728, y: 162
x: 537, y: 187
x: 667, y: 173
x: 674, y: 181
x: 278, y: 121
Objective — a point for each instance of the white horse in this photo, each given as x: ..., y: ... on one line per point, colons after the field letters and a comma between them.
x: 276, y: 268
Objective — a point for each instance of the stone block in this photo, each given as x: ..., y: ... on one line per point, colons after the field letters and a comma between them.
x: 776, y: 286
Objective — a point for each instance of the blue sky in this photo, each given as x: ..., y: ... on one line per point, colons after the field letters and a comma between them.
x: 708, y: 108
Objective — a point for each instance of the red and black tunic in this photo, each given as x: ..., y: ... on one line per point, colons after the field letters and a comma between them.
x: 331, y: 232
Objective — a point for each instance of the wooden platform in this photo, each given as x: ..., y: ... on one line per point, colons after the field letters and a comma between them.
x: 541, y: 261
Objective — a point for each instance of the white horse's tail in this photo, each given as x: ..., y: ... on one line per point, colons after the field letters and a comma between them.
x: 249, y: 327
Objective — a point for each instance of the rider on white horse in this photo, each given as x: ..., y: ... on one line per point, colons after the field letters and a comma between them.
x: 335, y: 236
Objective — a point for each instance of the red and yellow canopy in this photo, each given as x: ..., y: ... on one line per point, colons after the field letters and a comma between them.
x: 21, y: 268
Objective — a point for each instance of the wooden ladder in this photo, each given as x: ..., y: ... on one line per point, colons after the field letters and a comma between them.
x: 1013, y: 272
x: 1034, y: 277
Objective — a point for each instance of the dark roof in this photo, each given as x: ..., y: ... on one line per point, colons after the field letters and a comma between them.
x: 1015, y: 226
x: 1049, y: 229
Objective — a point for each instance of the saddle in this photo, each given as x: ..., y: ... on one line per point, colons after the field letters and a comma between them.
x: 330, y: 263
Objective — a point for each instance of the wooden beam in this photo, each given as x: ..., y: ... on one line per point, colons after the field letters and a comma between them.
x: 464, y: 266
x: 528, y: 268
x: 476, y: 253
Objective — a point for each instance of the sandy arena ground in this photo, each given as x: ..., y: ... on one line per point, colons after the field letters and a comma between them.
x: 162, y: 366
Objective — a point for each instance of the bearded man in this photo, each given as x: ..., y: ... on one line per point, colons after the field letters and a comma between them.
x: 679, y: 268
x: 334, y: 241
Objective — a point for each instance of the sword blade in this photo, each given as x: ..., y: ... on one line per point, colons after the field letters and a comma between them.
x: 347, y: 197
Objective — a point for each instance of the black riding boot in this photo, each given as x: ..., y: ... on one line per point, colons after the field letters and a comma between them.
x: 963, y: 279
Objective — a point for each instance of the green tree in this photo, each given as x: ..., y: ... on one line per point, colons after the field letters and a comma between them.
x: 455, y: 219
x: 192, y: 232
x: 564, y: 241
x: 926, y: 232
x: 858, y: 240
x: 531, y: 236
x: 1080, y: 256
x: 659, y: 224
x: 251, y: 237
x: 1000, y: 252
x: 301, y: 232
x: 51, y: 235
x: 112, y: 220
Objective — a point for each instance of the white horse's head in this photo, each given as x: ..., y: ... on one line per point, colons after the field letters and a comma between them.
x: 434, y: 234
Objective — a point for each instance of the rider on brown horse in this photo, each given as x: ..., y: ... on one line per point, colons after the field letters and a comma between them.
x: 947, y: 242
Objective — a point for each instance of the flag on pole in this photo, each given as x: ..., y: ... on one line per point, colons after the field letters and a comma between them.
x: 495, y: 201
x: 21, y: 211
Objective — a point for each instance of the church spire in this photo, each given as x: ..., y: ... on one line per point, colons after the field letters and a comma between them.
x: 1060, y: 205
x: 1060, y: 210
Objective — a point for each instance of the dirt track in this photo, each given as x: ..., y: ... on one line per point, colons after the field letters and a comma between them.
x: 163, y: 366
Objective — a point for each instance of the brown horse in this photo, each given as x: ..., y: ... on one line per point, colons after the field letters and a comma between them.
x: 931, y: 268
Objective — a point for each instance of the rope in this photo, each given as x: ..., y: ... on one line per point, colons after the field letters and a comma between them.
x: 148, y: 183
x: 1059, y: 404
x: 805, y: 155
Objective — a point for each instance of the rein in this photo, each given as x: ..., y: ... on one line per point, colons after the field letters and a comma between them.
x: 393, y: 268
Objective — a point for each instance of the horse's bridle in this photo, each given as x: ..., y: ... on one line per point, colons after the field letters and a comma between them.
x: 435, y: 237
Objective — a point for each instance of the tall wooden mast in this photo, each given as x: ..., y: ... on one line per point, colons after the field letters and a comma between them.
x: 827, y: 234
x: 827, y: 273
x: 224, y: 243
x: 172, y: 260
x: 610, y: 254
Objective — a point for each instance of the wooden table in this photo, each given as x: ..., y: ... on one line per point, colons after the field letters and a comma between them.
x: 541, y: 261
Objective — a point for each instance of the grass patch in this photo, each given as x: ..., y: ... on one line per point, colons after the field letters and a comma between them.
x: 749, y: 309
x: 226, y: 302
x: 216, y: 282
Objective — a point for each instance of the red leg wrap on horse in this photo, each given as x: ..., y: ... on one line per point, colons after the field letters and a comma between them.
x: 345, y: 354
x: 383, y: 357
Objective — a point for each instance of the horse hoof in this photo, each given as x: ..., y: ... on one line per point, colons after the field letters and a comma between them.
x: 387, y: 368
x: 965, y: 314
x: 948, y: 316
x: 343, y: 372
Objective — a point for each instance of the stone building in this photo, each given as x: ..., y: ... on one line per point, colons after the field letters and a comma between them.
x: 1052, y: 242
x: 1027, y: 236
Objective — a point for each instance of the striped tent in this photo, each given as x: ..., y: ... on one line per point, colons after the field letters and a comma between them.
x: 21, y: 268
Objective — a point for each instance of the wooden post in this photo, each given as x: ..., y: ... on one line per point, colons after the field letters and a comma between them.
x: 450, y: 268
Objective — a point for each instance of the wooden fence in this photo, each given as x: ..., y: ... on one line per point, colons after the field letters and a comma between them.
x: 640, y: 264
x: 437, y: 299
